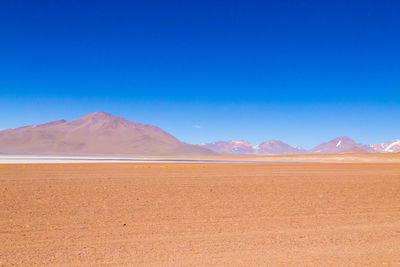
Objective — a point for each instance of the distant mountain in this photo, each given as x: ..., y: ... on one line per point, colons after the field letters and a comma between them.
x: 272, y: 147
x: 388, y: 147
x: 278, y: 147
x: 95, y: 133
x: 339, y: 145
x: 231, y: 147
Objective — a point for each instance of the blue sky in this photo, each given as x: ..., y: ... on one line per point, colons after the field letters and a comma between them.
x: 300, y: 71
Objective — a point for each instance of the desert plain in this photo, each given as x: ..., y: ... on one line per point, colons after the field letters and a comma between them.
x: 331, y: 212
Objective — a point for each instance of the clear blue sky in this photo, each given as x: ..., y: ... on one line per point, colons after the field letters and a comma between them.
x: 300, y: 71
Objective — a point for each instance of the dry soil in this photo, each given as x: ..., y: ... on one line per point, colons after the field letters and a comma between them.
x: 223, y: 214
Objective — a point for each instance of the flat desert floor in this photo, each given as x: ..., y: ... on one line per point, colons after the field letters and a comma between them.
x: 200, y: 214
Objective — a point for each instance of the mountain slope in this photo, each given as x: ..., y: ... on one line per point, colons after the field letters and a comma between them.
x: 354, y: 150
x: 95, y: 133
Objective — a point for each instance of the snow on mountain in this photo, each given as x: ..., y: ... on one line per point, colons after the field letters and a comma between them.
x: 387, y: 147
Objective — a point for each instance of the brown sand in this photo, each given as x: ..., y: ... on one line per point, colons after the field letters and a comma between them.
x: 200, y: 214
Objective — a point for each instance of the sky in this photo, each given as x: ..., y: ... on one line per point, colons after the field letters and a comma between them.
x: 303, y: 72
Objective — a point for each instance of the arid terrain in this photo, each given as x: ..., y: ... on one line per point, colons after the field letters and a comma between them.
x: 202, y: 214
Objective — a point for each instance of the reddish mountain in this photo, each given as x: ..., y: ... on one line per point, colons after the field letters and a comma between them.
x: 95, y: 133
x: 339, y: 145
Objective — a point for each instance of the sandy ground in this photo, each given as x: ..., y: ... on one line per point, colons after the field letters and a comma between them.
x: 259, y: 214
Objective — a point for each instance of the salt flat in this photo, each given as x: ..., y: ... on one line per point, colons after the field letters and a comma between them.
x: 35, y: 159
x: 301, y: 158
x: 200, y: 214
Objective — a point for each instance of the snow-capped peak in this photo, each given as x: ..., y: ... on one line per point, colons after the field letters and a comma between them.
x: 389, y: 147
x: 339, y: 143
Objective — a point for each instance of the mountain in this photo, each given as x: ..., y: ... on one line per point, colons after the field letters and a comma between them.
x: 95, y: 133
x: 231, y: 147
x: 388, y: 147
x: 339, y: 145
x: 275, y: 147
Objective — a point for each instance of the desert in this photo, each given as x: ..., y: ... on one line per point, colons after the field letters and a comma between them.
x: 202, y: 214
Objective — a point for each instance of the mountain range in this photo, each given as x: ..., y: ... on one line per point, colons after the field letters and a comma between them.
x: 101, y: 133
x: 342, y: 144
x: 245, y: 148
